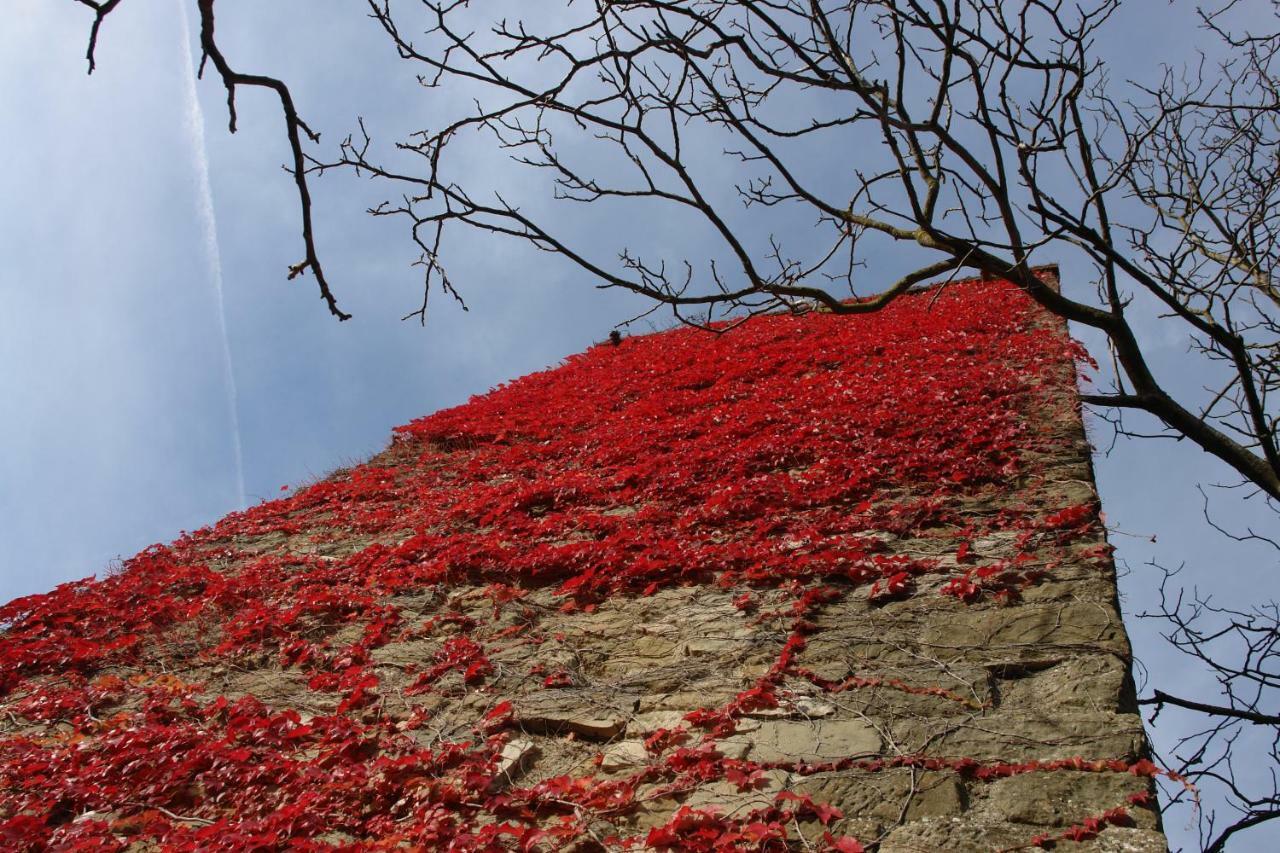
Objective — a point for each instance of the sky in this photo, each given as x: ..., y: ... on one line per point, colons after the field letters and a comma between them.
x: 157, y: 370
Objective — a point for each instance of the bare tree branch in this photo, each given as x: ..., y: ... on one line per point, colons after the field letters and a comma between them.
x: 1241, y: 650
x: 101, y: 8
x: 1159, y: 697
x: 295, y: 128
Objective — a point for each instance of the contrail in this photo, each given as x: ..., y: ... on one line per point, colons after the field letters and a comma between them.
x: 209, y: 224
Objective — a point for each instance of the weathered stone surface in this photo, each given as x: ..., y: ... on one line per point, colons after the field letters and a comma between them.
x: 408, y: 653
x: 585, y: 713
x: 929, y: 834
x: 819, y: 740
x: 624, y: 755
x: 806, y: 707
x: 1024, y: 736
x: 1041, y: 626
x: 937, y: 795
x: 710, y: 694
x: 1062, y: 799
x: 648, y: 722
x: 727, y: 799
x: 1084, y: 683
x: 513, y: 760
x: 877, y: 800
x: 735, y: 746
x: 655, y: 646
x: 1119, y: 839
x: 963, y: 834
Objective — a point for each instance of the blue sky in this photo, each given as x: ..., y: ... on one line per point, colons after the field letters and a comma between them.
x: 119, y: 431
x: 127, y: 383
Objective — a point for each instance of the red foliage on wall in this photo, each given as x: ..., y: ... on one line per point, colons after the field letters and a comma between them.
x: 763, y: 458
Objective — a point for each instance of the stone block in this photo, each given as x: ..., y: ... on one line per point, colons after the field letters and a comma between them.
x: 513, y: 761
x: 812, y: 741
x: 624, y: 755
x: 589, y: 714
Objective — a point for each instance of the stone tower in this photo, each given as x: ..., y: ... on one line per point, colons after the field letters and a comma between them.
x: 817, y: 583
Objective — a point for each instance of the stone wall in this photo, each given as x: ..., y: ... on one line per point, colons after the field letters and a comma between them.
x: 1041, y: 678
x: 932, y: 658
